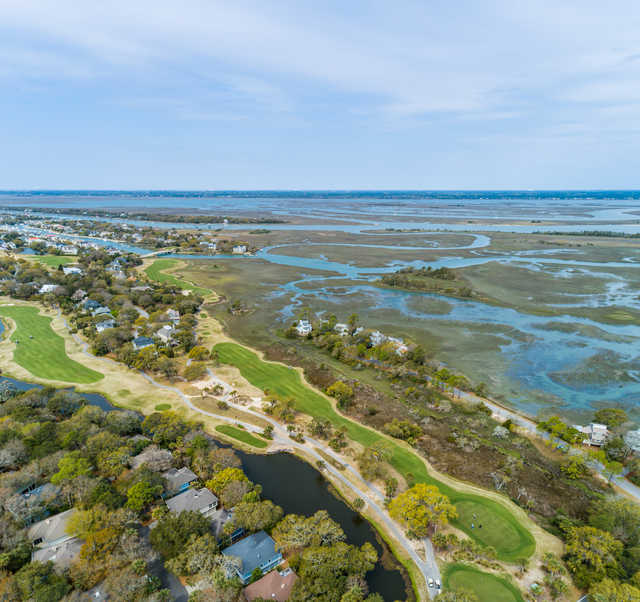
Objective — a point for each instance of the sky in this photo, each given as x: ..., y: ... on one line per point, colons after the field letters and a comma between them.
x: 201, y: 94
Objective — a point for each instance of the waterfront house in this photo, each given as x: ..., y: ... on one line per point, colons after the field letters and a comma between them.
x: 257, y: 551
x: 69, y: 250
x: 341, y: 329
x: 179, y: 479
x: 276, y: 585
x: 596, y: 434
x: 239, y: 249
x: 304, y: 328
x: 141, y: 343
x: 193, y: 500
x: 377, y: 338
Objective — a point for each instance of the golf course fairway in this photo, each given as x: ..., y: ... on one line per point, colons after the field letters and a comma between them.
x: 40, y: 350
x: 501, y: 529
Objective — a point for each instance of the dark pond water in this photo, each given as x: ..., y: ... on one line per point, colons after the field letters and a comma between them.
x: 299, y: 489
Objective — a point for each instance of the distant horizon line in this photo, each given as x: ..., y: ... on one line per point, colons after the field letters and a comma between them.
x: 333, y: 190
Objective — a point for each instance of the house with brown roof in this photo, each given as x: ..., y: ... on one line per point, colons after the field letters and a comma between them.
x: 276, y: 585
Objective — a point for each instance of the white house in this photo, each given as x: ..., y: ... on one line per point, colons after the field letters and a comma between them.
x: 239, y: 249
x: 377, y: 338
x: 47, y: 288
x: 304, y: 328
x: 341, y: 329
x: 71, y: 270
x: 69, y: 250
x: 173, y: 315
x: 596, y: 434
x: 51, y: 531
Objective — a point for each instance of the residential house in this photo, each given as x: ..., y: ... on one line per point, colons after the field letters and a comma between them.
x: 47, y: 288
x: 101, y: 311
x: 90, y: 305
x: 70, y: 270
x: 62, y: 554
x: 179, y: 479
x: 239, y: 249
x: 165, y: 334
x: 276, y: 585
x: 69, y: 250
x: 632, y: 439
x: 173, y: 315
x: 51, y: 531
x: 79, y: 295
x: 257, y: 551
x: 341, y: 329
x: 100, y: 327
x: 156, y: 458
x: 596, y: 434
x: 377, y: 338
x: 193, y: 500
x: 304, y: 328
x: 142, y: 342
x: 400, y: 347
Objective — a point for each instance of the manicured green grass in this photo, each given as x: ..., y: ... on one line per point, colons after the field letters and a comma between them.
x: 54, y: 261
x: 488, y: 587
x: 161, y: 407
x: 44, y: 354
x: 158, y: 271
x: 500, y: 528
x: 240, y: 435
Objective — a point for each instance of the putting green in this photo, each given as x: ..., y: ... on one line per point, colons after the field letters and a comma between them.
x: 40, y: 350
x: 500, y: 528
x: 488, y: 587
x: 158, y: 271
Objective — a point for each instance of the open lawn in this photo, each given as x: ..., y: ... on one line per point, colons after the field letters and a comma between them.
x: 500, y: 528
x: 54, y: 261
x: 158, y: 271
x: 240, y: 435
x: 488, y: 587
x: 40, y: 350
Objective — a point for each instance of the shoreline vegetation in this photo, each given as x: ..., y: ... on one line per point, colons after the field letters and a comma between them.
x: 168, y: 216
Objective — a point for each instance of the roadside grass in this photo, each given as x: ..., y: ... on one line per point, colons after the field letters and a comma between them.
x: 44, y: 355
x: 487, y: 586
x: 240, y: 435
x: 158, y: 271
x: 53, y: 261
x: 500, y: 528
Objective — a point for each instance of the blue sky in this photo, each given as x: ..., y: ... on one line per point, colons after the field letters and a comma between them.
x: 246, y: 95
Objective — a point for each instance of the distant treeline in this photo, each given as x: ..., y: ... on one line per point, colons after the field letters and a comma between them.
x: 147, y: 215
x: 605, y: 233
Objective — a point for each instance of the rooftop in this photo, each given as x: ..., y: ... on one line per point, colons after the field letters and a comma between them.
x: 193, y: 500
x: 51, y: 529
x: 276, y: 585
x: 253, y: 551
x: 177, y: 477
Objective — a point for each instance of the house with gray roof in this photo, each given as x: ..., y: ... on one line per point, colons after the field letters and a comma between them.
x: 257, y: 551
x: 51, y: 531
x: 142, y: 342
x: 62, y: 554
x: 179, y: 479
x: 194, y: 500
